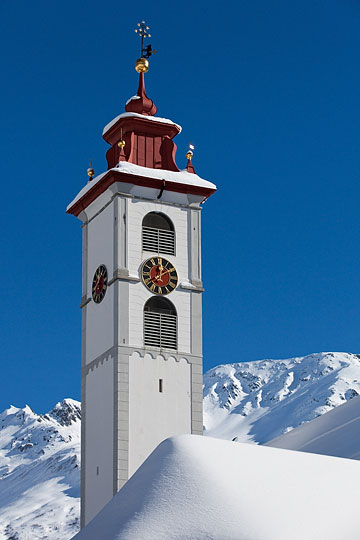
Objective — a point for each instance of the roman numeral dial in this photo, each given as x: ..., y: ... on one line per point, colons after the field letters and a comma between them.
x: 99, y: 284
x: 159, y: 275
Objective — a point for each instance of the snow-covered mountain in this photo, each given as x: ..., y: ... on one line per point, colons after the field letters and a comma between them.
x: 249, y: 402
x: 258, y: 401
x: 40, y: 473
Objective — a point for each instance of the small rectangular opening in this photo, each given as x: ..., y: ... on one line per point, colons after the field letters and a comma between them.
x: 160, y: 385
x: 97, y: 471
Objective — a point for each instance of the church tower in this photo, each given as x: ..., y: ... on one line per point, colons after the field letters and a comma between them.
x: 141, y: 298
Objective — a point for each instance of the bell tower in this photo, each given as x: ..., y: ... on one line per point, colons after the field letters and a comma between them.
x: 141, y: 297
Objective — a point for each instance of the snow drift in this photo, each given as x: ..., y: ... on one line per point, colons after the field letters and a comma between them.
x: 196, y: 488
x: 336, y: 433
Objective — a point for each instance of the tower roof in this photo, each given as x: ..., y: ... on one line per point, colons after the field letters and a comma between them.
x: 140, y: 137
x: 142, y: 151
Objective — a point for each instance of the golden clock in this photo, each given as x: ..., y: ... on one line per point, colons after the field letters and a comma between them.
x: 159, y: 275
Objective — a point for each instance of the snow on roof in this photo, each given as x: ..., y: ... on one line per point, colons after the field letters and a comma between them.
x: 198, y: 488
x: 335, y: 433
x: 180, y: 177
x: 137, y: 115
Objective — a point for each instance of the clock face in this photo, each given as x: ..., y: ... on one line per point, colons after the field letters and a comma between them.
x: 99, y: 284
x: 159, y: 275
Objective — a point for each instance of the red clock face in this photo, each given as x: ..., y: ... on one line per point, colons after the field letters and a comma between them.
x: 99, y: 284
x: 159, y: 275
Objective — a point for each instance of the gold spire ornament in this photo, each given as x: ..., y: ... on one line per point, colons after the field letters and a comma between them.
x: 189, y: 155
x: 121, y: 143
x: 90, y: 171
x: 142, y: 63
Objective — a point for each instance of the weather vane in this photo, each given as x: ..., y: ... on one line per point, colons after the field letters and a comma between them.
x: 143, y: 32
x: 190, y: 153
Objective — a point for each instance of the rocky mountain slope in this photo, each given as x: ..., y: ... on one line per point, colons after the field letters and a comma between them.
x: 248, y: 402
x: 258, y: 401
x: 40, y: 473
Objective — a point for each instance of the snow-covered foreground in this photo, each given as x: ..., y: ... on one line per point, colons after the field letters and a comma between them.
x: 197, y: 488
x: 258, y: 401
x: 336, y: 433
x: 253, y: 402
x: 40, y: 473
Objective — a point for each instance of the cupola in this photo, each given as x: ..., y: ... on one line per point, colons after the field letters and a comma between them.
x: 137, y: 135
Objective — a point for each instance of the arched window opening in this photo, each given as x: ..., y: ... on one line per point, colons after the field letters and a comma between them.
x: 158, y: 234
x: 160, y: 323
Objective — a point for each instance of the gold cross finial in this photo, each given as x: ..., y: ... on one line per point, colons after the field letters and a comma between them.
x: 143, y: 31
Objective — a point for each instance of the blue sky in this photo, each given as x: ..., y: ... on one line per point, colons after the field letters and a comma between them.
x: 269, y: 94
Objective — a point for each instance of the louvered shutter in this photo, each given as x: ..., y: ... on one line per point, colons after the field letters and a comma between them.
x: 160, y: 330
x: 158, y: 240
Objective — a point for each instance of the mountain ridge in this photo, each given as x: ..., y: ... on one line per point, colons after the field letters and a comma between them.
x: 259, y: 401
x: 40, y: 472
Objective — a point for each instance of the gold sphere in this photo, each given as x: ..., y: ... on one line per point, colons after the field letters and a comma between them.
x: 189, y: 154
x: 121, y: 143
x: 90, y: 172
x: 142, y: 65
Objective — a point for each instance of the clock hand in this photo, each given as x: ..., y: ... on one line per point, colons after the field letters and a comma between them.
x: 163, y: 273
x: 158, y: 276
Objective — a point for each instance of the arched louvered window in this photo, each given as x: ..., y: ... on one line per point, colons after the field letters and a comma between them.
x: 158, y: 234
x: 160, y: 323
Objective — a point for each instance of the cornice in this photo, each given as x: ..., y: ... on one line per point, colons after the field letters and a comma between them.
x: 112, y: 176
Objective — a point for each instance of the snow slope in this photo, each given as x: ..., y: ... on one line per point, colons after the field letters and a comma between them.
x: 258, y: 401
x: 197, y: 488
x: 336, y: 433
x: 40, y: 473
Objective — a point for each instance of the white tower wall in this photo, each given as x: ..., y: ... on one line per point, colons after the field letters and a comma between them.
x: 98, y: 469
x: 124, y: 415
x: 146, y: 403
